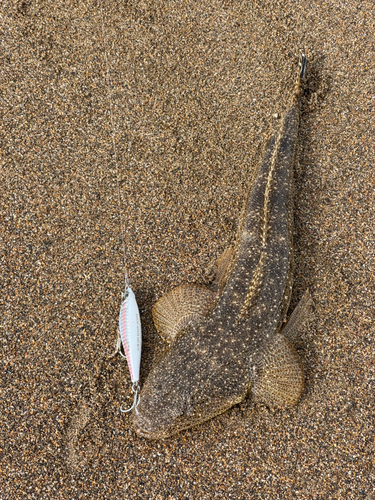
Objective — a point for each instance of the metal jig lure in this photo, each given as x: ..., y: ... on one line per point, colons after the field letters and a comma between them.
x: 130, y: 335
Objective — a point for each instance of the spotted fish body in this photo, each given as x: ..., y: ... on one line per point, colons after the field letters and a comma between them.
x: 229, y: 343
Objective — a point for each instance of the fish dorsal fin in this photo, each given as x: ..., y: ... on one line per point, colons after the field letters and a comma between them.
x: 278, y: 374
x: 181, y: 306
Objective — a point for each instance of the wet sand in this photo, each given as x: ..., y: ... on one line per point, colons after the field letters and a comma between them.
x: 198, y: 89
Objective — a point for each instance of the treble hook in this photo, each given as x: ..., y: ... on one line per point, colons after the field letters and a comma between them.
x: 136, y: 400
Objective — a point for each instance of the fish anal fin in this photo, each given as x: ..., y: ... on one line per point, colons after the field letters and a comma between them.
x: 278, y: 375
x: 300, y: 317
x: 181, y: 306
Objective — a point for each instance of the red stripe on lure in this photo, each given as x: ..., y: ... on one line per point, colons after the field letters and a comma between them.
x: 131, y: 338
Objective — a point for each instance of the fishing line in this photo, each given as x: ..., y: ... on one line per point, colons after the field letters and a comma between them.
x: 130, y: 332
x: 113, y: 135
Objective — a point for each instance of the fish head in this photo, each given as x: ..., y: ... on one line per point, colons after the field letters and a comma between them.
x: 180, y: 394
x: 159, y: 414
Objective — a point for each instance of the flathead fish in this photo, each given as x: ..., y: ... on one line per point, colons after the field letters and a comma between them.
x: 228, y: 343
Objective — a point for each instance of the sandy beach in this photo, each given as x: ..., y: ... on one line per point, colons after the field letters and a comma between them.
x: 197, y: 89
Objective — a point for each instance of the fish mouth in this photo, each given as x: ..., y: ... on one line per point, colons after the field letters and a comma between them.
x: 144, y: 427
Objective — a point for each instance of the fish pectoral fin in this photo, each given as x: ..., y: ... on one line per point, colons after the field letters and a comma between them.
x: 278, y: 375
x: 223, y: 264
x: 181, y: 306
x: 300, y: 317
